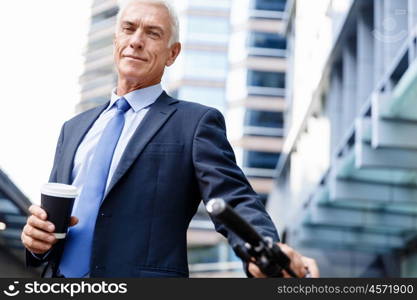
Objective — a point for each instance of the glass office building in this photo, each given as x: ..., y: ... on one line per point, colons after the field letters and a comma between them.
x: 346, y: 182
x: 99, y: 76
x: 256, y: 88
x: 200, y: 72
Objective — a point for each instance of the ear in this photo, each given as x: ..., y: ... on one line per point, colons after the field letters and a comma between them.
x: 174, y: 51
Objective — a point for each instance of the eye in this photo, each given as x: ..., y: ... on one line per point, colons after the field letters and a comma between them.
x: 154, y: 34
x: 127, y: 29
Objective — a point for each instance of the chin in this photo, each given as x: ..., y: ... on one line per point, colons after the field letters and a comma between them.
x: 131, y: 72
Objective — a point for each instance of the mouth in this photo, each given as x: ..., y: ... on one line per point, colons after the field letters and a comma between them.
x: 134, y: 57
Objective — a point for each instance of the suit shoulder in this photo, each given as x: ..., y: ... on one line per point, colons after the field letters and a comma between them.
x: 198, y: 114
x: 87, y: 113
x: 196, y: 108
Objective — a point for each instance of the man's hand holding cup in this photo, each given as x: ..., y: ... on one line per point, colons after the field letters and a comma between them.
x: 49, y: 222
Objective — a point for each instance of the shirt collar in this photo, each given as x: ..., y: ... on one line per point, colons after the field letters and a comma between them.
x: 138, y: 99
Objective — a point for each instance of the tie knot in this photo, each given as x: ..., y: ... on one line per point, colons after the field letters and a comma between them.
x: 122, y: 105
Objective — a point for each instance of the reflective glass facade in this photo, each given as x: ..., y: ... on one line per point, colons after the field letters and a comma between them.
x: 257, y: 82
x: 266, y: 79
x: 267, y: 40
x: 349, y: 166
x: 261, y: 160
x: 259, y: 118
x: 275, y: 5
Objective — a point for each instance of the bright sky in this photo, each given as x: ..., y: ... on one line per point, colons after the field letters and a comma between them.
x: 41, y: 58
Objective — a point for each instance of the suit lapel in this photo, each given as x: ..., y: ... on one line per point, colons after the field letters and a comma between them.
x: 155, y: 118
x: 77, y: 134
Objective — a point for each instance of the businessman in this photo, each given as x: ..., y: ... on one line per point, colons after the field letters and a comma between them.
x: 142, y: 162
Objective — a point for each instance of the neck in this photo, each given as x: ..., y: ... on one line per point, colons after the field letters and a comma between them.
x: 125, y: 86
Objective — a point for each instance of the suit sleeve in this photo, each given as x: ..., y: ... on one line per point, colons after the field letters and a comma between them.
x: 53, y: 175
x: 219, y: 177
x: 33, y: 260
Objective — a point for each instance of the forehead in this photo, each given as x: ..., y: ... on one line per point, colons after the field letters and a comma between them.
x: 147, y: 14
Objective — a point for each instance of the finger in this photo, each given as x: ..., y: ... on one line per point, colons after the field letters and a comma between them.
x: 286, y: 275
x: 254, y: 270
x: 35, y: 246
x: 73, y: 221
x: 297, y: 264
x: 38, y: 211
x: 39, y: 234
x: 311, y: 266
x: 40, y: 224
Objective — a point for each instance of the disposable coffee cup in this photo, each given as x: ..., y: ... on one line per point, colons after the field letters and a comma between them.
x: 57, y: 200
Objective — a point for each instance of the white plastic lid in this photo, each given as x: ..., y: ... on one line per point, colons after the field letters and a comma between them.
x: 59, y: 190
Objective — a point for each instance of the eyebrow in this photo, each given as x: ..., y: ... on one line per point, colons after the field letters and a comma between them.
x: 149, y: 27
x: 127, y: 23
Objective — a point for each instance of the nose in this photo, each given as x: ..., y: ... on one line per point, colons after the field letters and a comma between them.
x: 137, y: 40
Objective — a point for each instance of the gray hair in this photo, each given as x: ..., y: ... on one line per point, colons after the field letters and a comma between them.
x: 175, y: 34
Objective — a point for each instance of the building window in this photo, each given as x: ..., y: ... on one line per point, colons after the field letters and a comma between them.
x: 211, y: 254
x: 213, y: 63
x: 259, y: 118
x: 275, y: 5
x: 260, y: 160
x: 204, y: 254
x: 267, y: 40
x: 266, y: 79
x: 107, y: 14
x: 205, y: 29
x: 99, y: 44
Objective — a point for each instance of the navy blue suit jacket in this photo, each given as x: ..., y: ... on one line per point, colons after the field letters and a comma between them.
x: 178, y: 155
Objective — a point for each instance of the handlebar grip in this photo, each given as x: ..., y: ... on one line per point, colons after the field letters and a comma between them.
x: 219, y: 209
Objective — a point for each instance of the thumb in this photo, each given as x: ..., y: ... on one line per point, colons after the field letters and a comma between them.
x: 73, y: 221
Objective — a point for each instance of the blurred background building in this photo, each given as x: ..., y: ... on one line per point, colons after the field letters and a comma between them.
x: 256, y: 88
x: 346, y: 182
x: 13, y: 215
x: 318, y: 99
x: 99, y: 77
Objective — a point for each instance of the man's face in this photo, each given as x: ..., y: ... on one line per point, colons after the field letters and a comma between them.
x: 141, y: 45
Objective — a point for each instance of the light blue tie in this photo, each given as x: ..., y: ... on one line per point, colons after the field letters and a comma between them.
x: 75, y: 261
